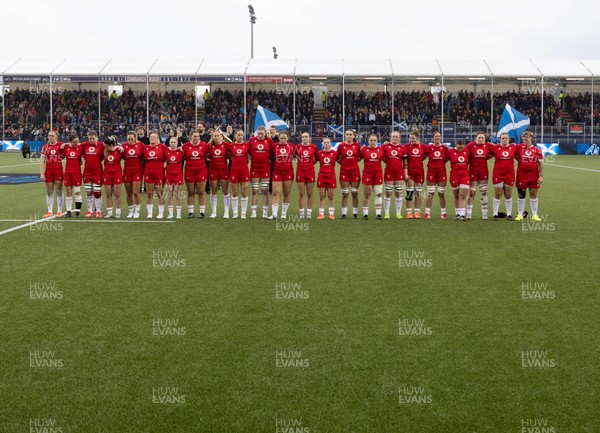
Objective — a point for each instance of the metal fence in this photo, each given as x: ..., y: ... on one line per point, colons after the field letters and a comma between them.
x: 450, y: 132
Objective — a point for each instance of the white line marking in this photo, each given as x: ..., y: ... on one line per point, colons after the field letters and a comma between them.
x: 574, y: 168
x: 20, y: 165
x: 68, y: 221
x: 26, y: 225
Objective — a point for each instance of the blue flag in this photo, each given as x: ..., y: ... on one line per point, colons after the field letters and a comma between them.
x: 335, y: 130
x: 513, y: 123
x: 267, y: 119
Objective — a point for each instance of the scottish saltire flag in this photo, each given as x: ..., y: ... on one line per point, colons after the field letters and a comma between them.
x: 549, y: 149
x: 267, y: 119
x: 335, y: 130
x: 11, y: 146
x: 513, y: 123
x: 402, y: 126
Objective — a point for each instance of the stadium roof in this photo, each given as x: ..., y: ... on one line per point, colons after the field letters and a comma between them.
x: 359, y: 68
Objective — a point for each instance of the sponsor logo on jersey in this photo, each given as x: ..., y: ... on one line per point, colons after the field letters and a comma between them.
x: 461, y: 159
x: 505, y: 153
x: 479, y: 151
x: 173, y: 158
x: 394, y: 153
x: 260, y: 147
x: 326, y: 160
x: 152, y: 153
x: 131, y: 152
x: 110, y: 158
x: 195, y: 153
x: 437, y: 153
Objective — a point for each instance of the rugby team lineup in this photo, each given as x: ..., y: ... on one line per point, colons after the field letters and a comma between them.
x: 266, y: 164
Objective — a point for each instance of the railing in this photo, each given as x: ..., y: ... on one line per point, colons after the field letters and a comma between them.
x: 451, y: 132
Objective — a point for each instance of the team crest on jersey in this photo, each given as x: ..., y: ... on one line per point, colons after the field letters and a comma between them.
x: 195, y: 153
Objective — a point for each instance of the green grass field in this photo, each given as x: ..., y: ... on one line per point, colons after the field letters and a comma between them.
x: 338, y: 326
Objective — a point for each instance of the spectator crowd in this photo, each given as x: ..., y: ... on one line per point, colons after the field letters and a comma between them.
x: 27, y: 113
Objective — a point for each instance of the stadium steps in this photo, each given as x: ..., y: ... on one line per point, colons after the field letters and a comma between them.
x: 567, y: 117
x: 318, y: 114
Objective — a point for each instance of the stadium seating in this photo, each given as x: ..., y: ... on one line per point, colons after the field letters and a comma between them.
x: 27, y: 113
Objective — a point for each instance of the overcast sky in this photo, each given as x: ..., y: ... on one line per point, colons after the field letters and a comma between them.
x: 318, y: 29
